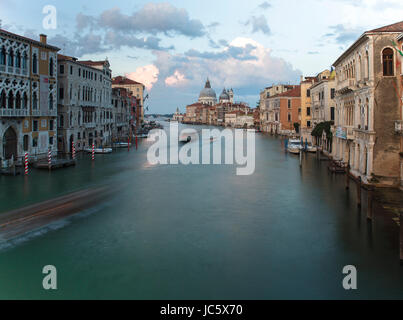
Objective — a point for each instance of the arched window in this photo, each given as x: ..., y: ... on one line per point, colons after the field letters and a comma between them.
x: 3, y: 99
x: 367, y: 114
x: 18, y: 60
x: 387, y: 60
x: 24, y: 60
x: 18, y: 101
x: 51, y: 67
x: 366, y: 64
x: 51, y: 102
x: 3, y: 56
x: 10, y: 100
x: 34, y: 101
x: 25, y: 101
x: 34, y: 63
x: 11, y: 58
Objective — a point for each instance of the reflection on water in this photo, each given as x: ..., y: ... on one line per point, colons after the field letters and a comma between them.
x: 201, y: 232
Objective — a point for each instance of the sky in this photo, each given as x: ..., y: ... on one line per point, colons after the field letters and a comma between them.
x: 174, y: 46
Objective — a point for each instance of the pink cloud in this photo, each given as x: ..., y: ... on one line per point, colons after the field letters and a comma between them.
x: 148, y: 75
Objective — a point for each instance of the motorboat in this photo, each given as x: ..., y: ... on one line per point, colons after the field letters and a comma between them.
x: 121, y: 145
x: 294, y: 146
x: 99, y: 150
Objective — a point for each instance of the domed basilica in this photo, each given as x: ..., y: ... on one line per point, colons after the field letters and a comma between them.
x: 209, y: 97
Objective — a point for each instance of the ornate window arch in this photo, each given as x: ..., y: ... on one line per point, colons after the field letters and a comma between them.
x: 35, y: 63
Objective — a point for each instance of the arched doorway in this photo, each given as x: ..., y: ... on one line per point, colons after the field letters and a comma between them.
x: 10, y: 144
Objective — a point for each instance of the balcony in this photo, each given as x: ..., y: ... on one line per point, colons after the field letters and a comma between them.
x: 46, y: 113
x: 13, y: 70
x: 13, y: 112
x: 347, y: 85
x: 399, y: 127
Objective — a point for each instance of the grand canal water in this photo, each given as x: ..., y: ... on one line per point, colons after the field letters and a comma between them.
x: 201, y: 232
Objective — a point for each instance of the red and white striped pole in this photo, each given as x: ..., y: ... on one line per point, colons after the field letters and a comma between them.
x: 73, y: 151
x: 50, y: 158
x: 26, y: 163
x: 93, y: 151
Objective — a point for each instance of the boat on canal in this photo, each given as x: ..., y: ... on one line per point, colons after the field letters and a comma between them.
x: 121, y: 144
x: 294, y: 146
x: 99, y: 150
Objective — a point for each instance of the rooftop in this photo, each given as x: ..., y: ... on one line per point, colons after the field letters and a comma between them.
x: 123, y: 80
x: 32, y: 41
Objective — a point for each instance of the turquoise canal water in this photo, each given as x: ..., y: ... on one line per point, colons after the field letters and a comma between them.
x: 201, y: 232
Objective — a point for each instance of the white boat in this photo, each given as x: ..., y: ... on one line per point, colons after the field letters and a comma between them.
x: 294, y: 146
x: 122, y: 145
x: 99, y: 150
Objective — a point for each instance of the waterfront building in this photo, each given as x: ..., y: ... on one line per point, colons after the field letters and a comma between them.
x: 323, y: 106
x: 28, y: 103
x: 230, y: 119
x: 178, y: 116
x: 122, y: 102
x: 266, y: 114
x: 244, y: 120
x: 306, y: 107
x: 367, y: 106
x: 84, y: 104
x: 136, y: 89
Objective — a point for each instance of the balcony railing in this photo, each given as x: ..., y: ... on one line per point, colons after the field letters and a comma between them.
x: 399, y: 127
x: 13, y: 70
x: 46, y: 113
x: 13, y: 112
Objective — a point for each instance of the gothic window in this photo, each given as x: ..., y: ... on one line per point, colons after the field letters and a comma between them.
x: 34, y: 63
x: 11, y: 58
x: 3, y: 56
x: 10, y: 100
x: 387, y: 60
x: 24, y: 61
x: 34, y: 101
x: 3, y: 100
x: 18, y: 60
x: 18, y: 101
x: 25, y: 101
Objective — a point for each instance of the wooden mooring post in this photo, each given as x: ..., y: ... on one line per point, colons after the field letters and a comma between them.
x: 348, y: 177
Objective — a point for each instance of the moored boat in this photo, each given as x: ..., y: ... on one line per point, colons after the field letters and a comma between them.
x: 99, y: 150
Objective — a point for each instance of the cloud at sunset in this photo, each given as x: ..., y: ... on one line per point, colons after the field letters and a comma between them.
x: 147, y: 75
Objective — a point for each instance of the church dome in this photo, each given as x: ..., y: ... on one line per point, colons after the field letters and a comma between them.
x: 224, y: 95
x: 208, y: 92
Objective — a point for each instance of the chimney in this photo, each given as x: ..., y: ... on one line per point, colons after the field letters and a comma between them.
x: 42, y: 38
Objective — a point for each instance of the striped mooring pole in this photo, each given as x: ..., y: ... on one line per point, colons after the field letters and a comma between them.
x: 93, y: 151
x: 50, y: 158
x: 26, y: 163
x: 73, y: 151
